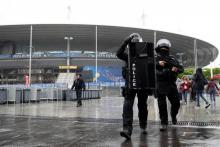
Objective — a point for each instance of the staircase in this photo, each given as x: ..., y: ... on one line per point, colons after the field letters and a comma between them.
x: 66, y: 78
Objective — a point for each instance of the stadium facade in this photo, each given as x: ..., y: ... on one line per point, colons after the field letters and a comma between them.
x: 49, y: 45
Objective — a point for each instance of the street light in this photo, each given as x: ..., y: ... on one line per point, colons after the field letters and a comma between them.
x: 68, y: 38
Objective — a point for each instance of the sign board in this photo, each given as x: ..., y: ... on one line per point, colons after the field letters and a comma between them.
x: 67, y: 67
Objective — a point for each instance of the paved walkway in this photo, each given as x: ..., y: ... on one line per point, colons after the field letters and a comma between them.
x: 98, y: 122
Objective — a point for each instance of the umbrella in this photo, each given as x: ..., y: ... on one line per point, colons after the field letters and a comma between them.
x: 216, y: 76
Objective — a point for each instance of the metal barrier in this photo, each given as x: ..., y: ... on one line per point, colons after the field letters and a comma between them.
x: 47, y: 94
x: 35, y: 95
x: 3, y: 96
x: 14, y: 95
x: 86, y: 94
x: 51, y: 94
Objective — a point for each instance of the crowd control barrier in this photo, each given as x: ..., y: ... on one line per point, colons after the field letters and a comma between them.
x: 16, y: 95
x: 86, y: 94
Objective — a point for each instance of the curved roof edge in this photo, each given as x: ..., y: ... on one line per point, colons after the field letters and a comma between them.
x: 119, y: 28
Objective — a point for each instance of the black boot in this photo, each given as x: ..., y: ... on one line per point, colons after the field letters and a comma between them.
x: 174, y: 121
x: 143, y: 131
x: 163, y: 128
x: 79, y: 104
x: 126, y: 134
x: 143, y: 126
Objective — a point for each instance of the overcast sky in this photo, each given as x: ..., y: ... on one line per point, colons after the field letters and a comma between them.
x: 195, y: 18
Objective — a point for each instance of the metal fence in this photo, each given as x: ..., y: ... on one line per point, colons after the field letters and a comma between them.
x: 12, y: 94
x: 20, y: 93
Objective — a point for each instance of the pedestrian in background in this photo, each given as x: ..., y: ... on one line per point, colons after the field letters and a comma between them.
x: 184, y: 88
x: 200, y: 82
x: 79, y: 85
x: 212, y: 89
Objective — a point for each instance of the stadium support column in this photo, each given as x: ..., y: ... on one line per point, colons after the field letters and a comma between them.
x: 212, y: 63
x: 155, y: 39
x: 96, y: 52
x: 211, y: 68
x: 195, y: 55
x: 30, y: 54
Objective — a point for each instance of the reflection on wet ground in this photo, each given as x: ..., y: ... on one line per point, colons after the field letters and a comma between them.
x: 98, y: 122
x: 54, y: 131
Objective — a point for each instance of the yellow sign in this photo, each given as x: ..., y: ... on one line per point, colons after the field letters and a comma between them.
x: 67, y: 67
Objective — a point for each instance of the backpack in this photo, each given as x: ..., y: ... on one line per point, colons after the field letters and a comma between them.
x: 211, y: 85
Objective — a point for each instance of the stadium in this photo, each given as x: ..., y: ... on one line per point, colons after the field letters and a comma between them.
x: 49, y: 44
x: 39, y: 63
x: 61, y: 83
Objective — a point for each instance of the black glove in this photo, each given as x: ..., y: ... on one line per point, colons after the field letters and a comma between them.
x: 128, y: 40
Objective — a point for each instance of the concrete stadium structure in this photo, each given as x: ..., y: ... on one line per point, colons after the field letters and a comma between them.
x: 15, y: 43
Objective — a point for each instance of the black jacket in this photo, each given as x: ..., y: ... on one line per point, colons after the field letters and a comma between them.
x: 166, y: 78
x: 199, y: 80
x: 79, y: 84
x: 164, y: 74
x: 121, y: 54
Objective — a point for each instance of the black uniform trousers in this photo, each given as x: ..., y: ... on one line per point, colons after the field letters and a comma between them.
x: 172, y: 95
x: 78, y: 96
x: 128, y: 109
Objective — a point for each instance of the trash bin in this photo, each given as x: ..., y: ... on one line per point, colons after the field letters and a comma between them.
x: 26, y: 95
x: 43, y: 94
x: 19, y: 96
x: 11, y: 95
x: 34, y: 95
x: 50, y: 93
x: 59, y: 94
x: 3, y: 96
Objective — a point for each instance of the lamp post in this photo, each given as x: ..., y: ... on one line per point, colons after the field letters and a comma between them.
x: 30, y: 54
x: 195, y: 55
x: 68, y: 51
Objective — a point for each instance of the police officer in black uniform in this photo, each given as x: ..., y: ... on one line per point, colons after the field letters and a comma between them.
x: 129, y: 94
x: 167, y: 69
x: 79, y: 85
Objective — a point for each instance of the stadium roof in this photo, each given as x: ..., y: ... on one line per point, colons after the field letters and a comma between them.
x: 109, y: 38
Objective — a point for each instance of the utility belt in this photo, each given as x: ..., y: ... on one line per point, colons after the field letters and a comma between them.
x: 126, y: 91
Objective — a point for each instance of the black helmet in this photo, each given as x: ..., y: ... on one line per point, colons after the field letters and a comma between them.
x: 163, y: 43
x: 136, y: 37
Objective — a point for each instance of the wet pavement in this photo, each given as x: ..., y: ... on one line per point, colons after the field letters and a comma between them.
x: 98, y: 123
x: 29, y: 131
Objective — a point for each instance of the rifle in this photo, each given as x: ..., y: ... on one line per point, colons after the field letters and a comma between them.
x: 170, y: 62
